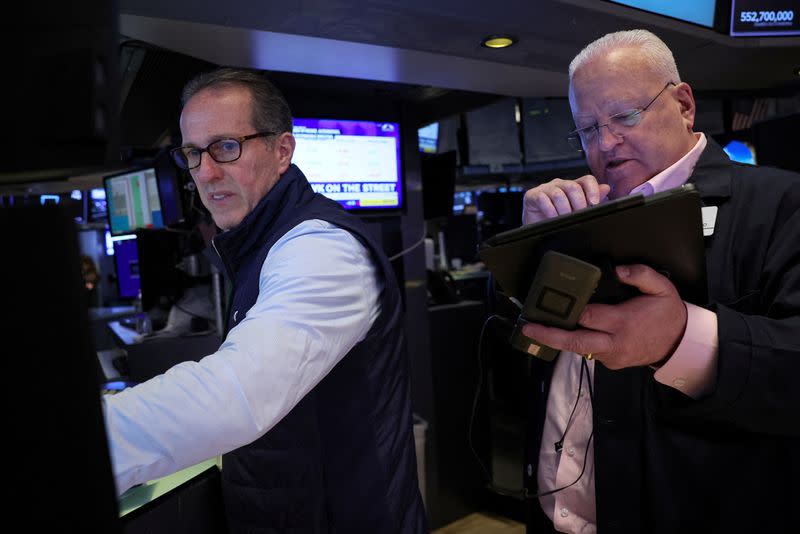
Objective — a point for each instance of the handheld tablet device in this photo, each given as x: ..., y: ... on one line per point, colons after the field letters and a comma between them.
x: 663, y: 231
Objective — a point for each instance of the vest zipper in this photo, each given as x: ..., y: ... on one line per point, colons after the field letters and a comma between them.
x: 222, y: 259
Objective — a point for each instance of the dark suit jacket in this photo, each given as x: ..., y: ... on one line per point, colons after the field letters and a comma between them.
x: 728, y: 462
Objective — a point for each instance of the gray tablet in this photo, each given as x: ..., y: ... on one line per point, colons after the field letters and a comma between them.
x: 663, y: 231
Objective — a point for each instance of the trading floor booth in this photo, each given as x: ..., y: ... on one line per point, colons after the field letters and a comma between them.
x: 58, y: 468
x: 186, y: 502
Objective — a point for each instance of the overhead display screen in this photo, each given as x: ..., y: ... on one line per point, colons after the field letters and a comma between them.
x: 356, y: 163
x: 695, y: 11
x: 765, y: 18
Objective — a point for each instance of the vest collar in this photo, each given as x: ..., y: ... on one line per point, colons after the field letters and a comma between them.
x: 234, y: 245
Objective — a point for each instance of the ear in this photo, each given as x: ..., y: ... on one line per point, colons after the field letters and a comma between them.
x: 685, y: 99
x: 284, y: 148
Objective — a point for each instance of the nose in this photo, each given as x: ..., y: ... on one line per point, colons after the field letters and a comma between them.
x: 208, y: 170
x: 606, y: 139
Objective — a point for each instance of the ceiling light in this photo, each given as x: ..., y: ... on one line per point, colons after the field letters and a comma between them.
x: 498, y: 41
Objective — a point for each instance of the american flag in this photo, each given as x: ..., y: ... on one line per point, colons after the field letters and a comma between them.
x: 759, y: 109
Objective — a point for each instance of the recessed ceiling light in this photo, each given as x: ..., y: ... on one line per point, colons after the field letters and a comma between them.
x: 498, y: 41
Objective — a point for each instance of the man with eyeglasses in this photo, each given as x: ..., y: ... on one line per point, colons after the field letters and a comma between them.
x: 691, y: 421
x: 308, y: 397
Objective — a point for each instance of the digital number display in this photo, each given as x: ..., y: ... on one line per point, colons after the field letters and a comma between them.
x: 765, y: 17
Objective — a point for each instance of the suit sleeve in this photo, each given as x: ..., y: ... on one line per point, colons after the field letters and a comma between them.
x: 757, y: 387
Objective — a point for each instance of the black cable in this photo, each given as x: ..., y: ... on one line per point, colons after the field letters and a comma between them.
x: 524, y: 493
x: 477, y: 394
x: 415, y: 245
x: 560, y: 443
x: 584, y: 366
x: 585, y: 456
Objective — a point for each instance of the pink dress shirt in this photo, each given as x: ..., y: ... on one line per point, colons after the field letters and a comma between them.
x: 691, y: 369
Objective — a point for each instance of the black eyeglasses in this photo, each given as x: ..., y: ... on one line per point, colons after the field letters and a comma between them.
x: 619, y: 124
x: 221, y: 151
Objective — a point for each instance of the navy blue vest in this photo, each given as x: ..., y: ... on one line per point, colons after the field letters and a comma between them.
x: 343, y: 460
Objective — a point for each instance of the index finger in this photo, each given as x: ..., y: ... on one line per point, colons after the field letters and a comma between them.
x: 580, y: 341
x: 591, y: 188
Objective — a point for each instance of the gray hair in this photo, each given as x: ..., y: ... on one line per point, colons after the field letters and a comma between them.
x: 271, y: 112
x: 656, y: 54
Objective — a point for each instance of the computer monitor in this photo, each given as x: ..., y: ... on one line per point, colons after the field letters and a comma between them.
x: 465, y: 202
x: 133, y: 201
x: 74, y: 203
x: 499, y: 211
x: 126, y: 261
x: 169, y: 183
x: 60, y: 468
x: 428, y: 137
x: 700, y: 12
x: 97, y: 208
x: 66, y: 77
x: 461, y: 237
x: 159, y: 254
x: 438, y: 173
x: 356, y: 163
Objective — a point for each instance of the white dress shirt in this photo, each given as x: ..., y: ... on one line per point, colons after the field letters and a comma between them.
x: 318, y: 296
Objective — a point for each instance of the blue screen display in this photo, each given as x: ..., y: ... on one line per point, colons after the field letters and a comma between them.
x: 695, y: 11
x: 126, y: 259
x: 740, y: 152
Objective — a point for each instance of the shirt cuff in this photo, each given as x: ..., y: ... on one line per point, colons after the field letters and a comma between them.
x: 692, y: 368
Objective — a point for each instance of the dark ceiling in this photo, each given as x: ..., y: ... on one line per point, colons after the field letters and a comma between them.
x: 424, y: 51
x: 435, y: 44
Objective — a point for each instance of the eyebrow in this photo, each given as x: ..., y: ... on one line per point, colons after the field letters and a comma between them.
x: 214, y: 139
x: 616, y: 107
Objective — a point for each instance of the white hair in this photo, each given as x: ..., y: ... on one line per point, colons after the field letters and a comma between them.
x: 655, y: 53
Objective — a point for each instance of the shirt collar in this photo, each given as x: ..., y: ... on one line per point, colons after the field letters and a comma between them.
x: 676, y: 174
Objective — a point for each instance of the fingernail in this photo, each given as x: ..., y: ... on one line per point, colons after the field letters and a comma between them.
x: 526, y: 329
x: 623, y: 271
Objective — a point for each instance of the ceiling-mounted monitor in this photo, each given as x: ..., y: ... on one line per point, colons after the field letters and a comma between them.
x: 763, y: 18
x: 356, y: 163
x: 428, y: 137
x: 699, y: 12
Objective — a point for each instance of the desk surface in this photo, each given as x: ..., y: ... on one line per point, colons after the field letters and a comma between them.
x: 469, y: 274
x: 138, y: 496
